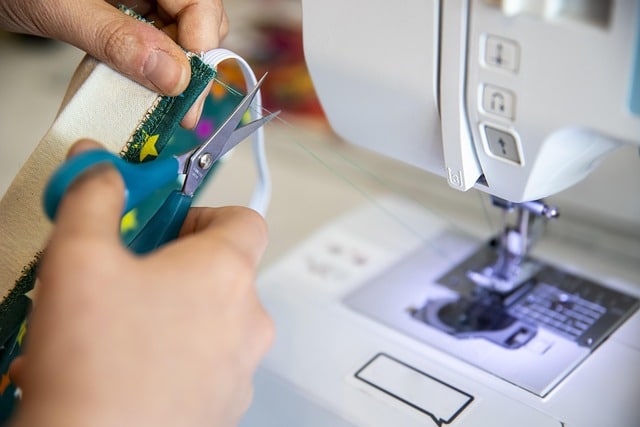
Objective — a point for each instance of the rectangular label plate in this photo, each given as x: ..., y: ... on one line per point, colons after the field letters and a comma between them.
x: 439, y: 400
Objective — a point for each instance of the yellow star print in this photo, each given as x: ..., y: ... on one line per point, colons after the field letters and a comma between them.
x: 149, y: 147
x: 21, y: 332
x: 129, y: 221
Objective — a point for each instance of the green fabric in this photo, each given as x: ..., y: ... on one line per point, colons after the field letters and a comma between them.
x: 14, y: 306
x: 163, y: 121
x: 164, y: 118
x: 148, y: 140
x: 152, y: 136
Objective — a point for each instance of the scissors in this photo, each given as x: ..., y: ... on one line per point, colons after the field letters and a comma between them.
x: 142, y: 180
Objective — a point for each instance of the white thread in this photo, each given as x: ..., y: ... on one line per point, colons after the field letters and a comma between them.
x: 262, y: 192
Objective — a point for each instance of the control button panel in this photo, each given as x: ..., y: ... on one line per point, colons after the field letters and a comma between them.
x: 501, y: 53
x: 503, y: 144
x: 498, y: 101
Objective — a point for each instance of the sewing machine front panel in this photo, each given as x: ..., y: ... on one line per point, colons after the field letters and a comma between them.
x: 341, y: 299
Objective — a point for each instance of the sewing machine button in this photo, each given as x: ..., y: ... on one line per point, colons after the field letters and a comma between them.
x: 498, y: 101
x: 502, y: 144
x: 501, y: 53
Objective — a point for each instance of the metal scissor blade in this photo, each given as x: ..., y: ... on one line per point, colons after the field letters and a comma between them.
x: 202, y: 158
x: 245, y: 131
x: 216, y: 143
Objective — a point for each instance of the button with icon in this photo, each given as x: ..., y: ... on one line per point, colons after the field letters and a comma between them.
x: 502, y: 144
x: 498, y: 101
x: 501, y: 53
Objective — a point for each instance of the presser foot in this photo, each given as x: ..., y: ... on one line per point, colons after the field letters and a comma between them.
x: 567, y: 305
x: 504, y: 277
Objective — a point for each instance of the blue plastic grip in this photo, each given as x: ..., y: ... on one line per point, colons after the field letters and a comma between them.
x: 141, y: 180
x: 164, y: 225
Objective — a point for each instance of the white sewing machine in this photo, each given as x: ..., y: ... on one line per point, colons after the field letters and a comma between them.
x: 391, y: 316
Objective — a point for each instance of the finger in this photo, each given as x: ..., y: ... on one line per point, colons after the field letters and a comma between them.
x: 239, y: 228
x: 83, y: 145
x: 171, y: 30
x: 92, y: 205
x: 16, y: 370
x: 199, y: 22
x: 224, y: 26
x: 134, y: 48
x: 200, y: 26
x: 190, y: 120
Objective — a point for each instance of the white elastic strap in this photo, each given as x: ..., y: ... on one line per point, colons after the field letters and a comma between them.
x: 262, y: 192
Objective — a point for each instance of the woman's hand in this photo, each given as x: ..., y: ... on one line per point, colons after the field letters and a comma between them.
x: 170, y: 338
x: 150, y: 55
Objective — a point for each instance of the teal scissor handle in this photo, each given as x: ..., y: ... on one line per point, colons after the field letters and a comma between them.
x: 141, y: 180
x: 164, y: 226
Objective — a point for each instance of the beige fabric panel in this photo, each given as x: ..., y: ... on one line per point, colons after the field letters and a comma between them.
x: 100, y: 104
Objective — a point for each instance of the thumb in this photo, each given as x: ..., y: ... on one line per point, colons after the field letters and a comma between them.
x: 92, y: 205
x: 134, y: 48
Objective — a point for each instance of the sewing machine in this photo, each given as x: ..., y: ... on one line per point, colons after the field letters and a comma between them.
x: 390, y: 315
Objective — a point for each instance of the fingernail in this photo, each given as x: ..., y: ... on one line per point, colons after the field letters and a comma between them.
x: 165, y: 73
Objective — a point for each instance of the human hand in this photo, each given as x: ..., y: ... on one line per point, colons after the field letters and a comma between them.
x: 143, y: 53
x: 171, y: 338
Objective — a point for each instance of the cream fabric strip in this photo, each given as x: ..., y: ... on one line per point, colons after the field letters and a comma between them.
x: 100, y: 104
